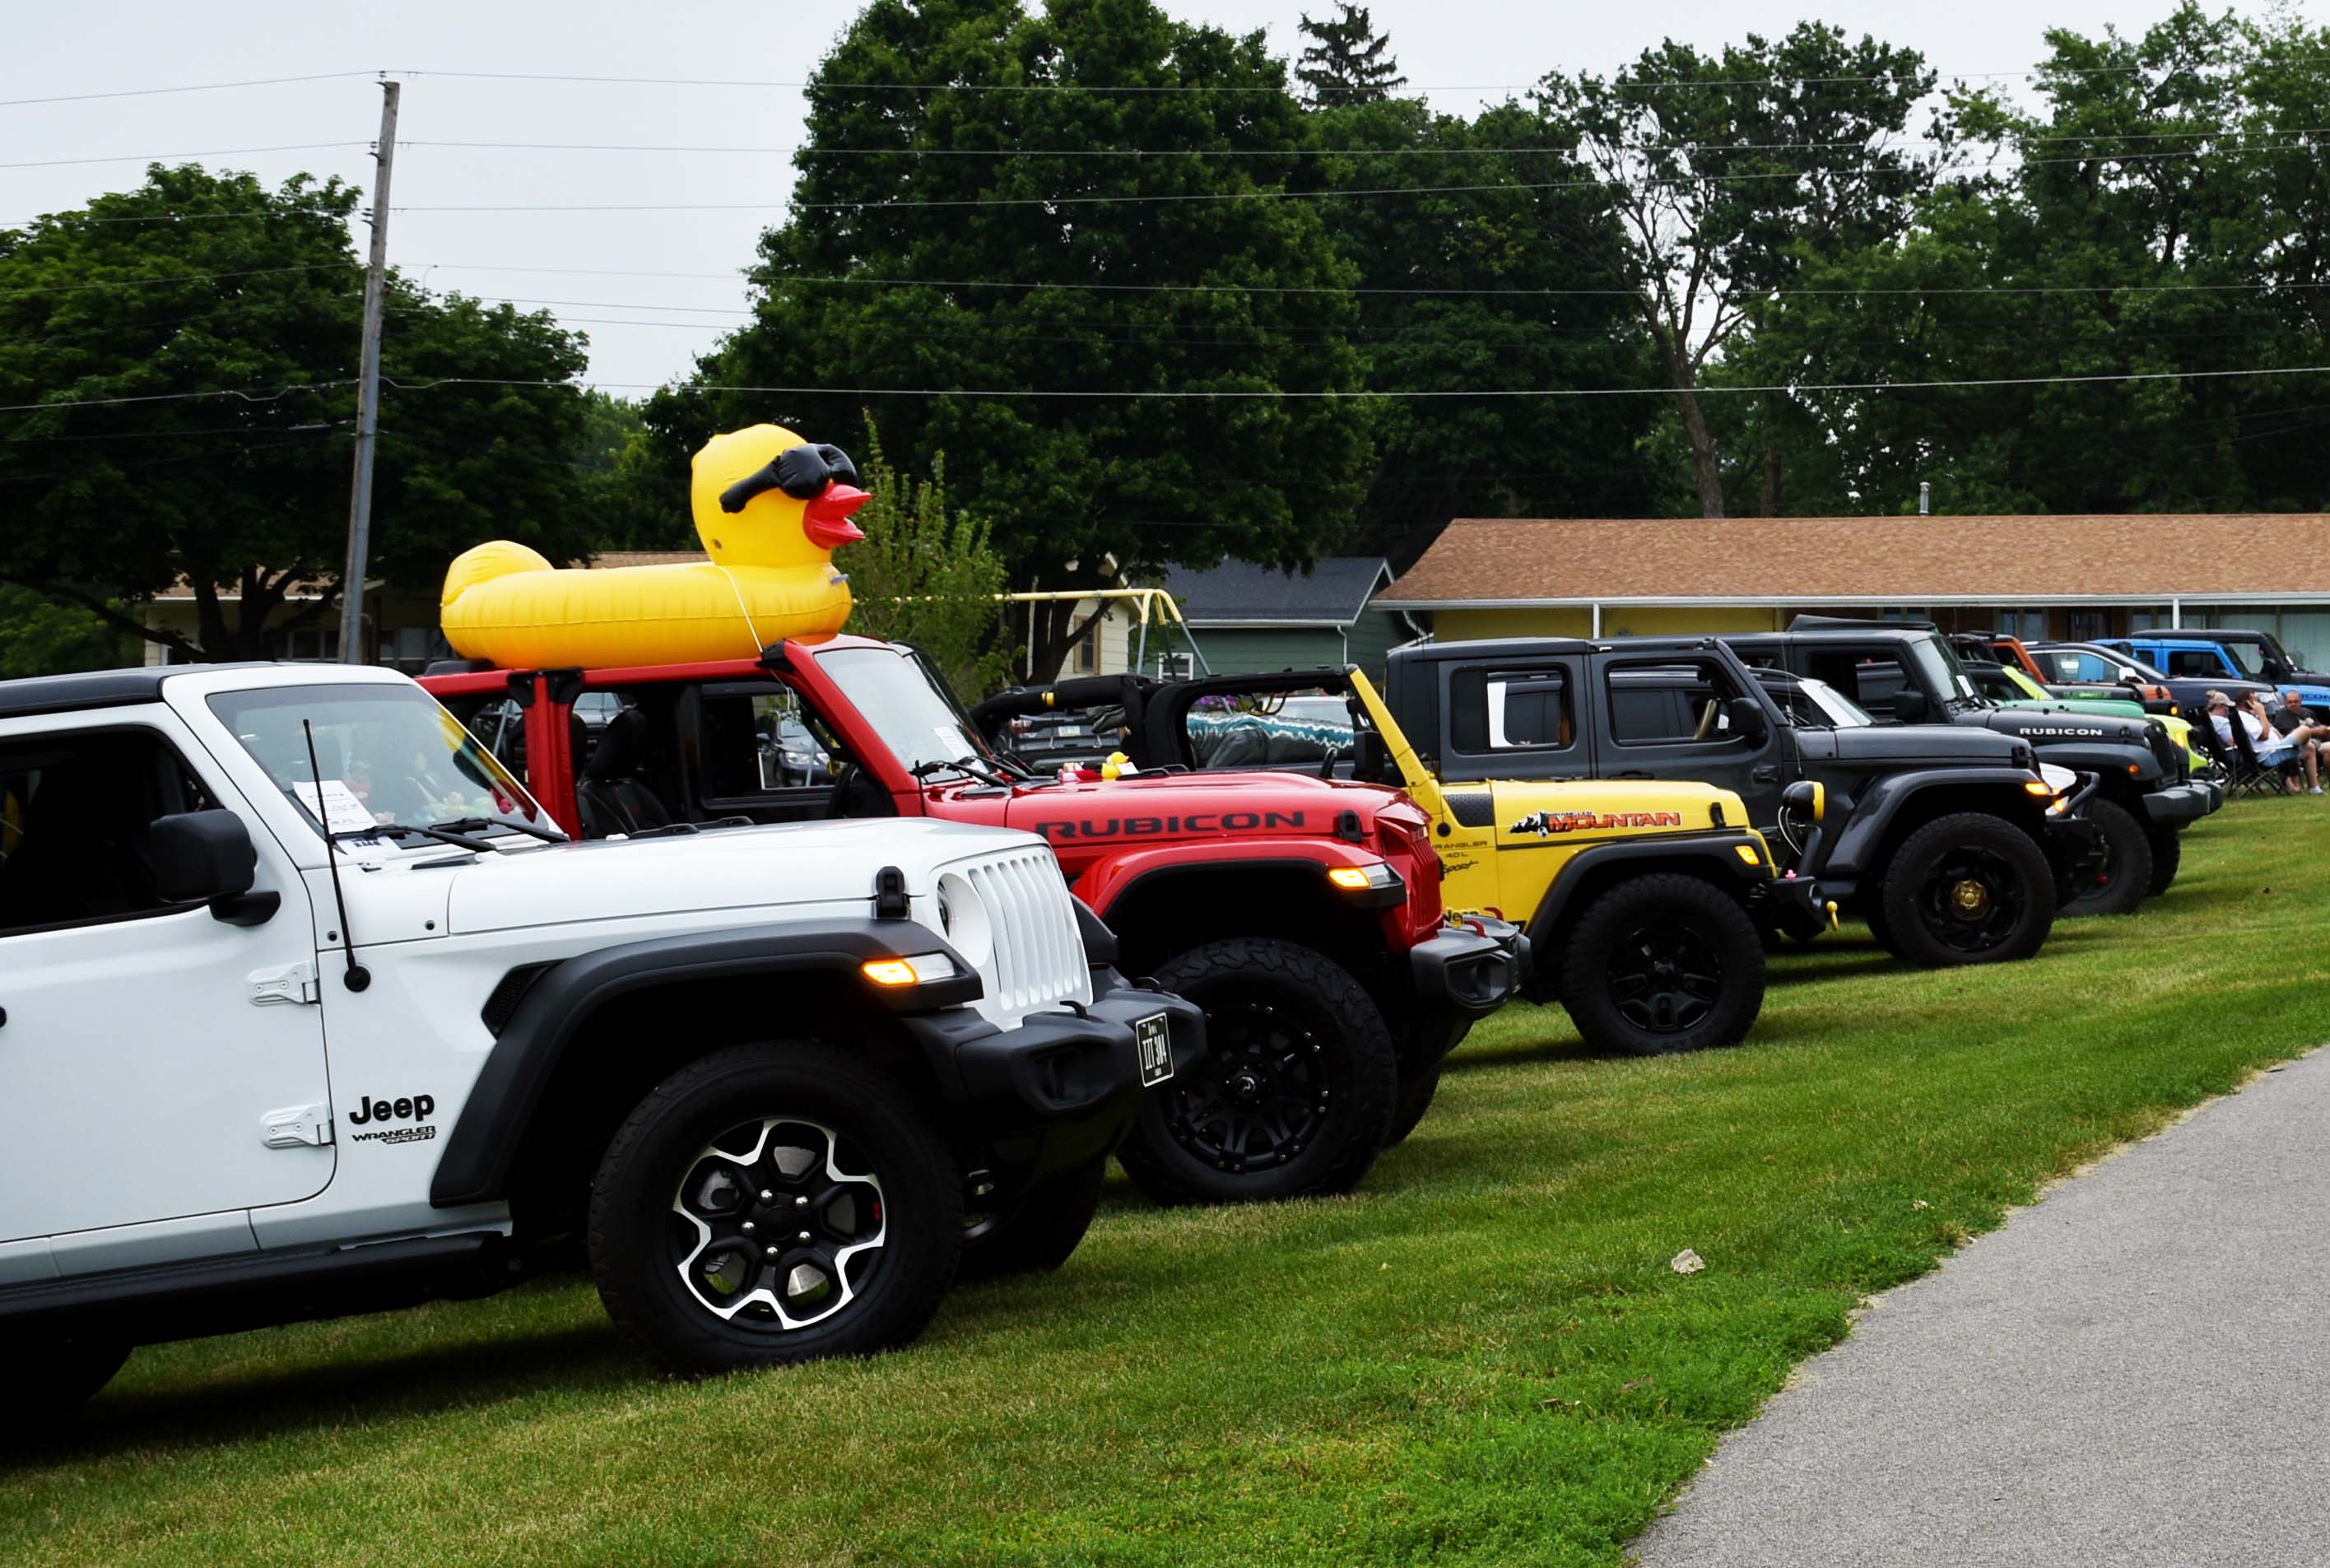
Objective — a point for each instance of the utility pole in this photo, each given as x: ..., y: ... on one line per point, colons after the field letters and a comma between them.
x: 368, y: 390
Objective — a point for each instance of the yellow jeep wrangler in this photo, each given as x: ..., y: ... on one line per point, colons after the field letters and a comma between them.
x: 1645, y: 901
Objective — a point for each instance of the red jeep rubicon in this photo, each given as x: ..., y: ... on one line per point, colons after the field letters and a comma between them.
x: 1302, y: 914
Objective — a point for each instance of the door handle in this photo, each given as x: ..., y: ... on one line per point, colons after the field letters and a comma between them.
x: 1766, y: 773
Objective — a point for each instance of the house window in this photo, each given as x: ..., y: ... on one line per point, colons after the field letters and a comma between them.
x: 307, y: 644
x: 1087, y: 659
x: 2089, y: 625
x: 2022, y: 625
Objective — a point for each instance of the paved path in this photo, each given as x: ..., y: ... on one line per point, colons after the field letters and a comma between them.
x: 2135, y: 1370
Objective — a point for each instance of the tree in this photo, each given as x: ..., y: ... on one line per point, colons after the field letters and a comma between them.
x: 1200, y: 400
x: 192, y: 346
x: 1506, y: 271
x: 39, y: 637
x: 2158, y: 215
x: 1346, y: 60
x: 1733, y: 173
x: 926, y: 575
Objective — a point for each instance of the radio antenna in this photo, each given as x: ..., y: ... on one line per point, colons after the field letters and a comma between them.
x: 358, y: 976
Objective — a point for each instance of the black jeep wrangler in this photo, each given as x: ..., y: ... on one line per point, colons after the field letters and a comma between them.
x: 1948, y: 842
x: 1905, y: 672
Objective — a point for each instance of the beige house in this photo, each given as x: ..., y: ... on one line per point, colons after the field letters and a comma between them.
x: 2067, y: 577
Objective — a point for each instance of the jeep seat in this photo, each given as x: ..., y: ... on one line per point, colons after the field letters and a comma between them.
x: 610, y: 793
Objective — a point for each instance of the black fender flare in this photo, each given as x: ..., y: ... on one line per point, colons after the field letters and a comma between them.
x: 476, y: 1165
x: 1708, y: 851
x: 1874, y: 809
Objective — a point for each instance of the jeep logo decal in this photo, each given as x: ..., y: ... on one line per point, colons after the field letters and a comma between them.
x: 415, y: 1109
x: 1162, y: 827
x: 1547, y: 823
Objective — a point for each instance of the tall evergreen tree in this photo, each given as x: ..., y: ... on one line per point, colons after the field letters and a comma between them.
x: 1346, y: 61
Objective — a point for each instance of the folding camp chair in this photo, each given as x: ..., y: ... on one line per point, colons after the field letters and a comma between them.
x: 2251, y: 777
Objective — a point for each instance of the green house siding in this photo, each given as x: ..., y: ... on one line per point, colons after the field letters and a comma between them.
x: 1260, y: 649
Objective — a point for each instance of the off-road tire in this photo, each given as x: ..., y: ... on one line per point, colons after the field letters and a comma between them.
x: 668, y: 1136
x: 1666, y: 913
x: 52, y: 1378
x: 1873, y: 917
x: 1418, y: 1087
x: 1042, y: 1232
x: 1930, y: 849
x: 1263, y: 991
x: 2128, y: 871
x: 2167, y: 857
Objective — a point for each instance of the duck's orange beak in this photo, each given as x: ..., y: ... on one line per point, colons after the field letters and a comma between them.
x: 826, y: 518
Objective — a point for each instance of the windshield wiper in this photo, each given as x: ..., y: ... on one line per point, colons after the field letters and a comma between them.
x: 483, y: 824
x: 968, y: 766
x: 405, y: 830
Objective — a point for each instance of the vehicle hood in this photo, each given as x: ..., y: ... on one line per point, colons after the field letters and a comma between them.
x: 739, y: 868
x: 2043, y: 729
x: 1902, y: 744
x: 1195, y: 806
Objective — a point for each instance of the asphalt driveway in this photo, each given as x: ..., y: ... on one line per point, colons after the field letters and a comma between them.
x: 2134, y: 1371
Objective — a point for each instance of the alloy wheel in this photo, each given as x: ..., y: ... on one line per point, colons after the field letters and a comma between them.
x: 1666, y: 977
x: 1971, y: 901
x: 771, y: 1230
x: 1265, y: 1089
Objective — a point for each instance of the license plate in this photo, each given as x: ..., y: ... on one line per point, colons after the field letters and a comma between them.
x: 1155, y: 1047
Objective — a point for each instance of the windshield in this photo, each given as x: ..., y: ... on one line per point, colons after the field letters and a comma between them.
x: 2026, y: 686
x: 383, y: 755
x: 906, y: 705
x: 1941, y: 668
x: 1828, y: 707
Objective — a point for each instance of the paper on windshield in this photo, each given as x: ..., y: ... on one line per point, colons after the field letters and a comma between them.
x: 337, y: 808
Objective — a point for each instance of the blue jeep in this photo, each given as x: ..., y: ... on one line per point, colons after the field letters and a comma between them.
x: 2210, y: 652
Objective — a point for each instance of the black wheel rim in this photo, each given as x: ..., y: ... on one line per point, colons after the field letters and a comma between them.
x: 772, y: 1228
x: 1265, y: 1089
x: 1971, y: 901
x: 2105, y: 875
x: 1665, y: 976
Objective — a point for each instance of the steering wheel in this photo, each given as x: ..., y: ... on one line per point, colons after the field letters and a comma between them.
x: 837, y: 799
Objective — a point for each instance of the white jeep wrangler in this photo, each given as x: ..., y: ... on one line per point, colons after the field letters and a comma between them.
x: 307, y: 1008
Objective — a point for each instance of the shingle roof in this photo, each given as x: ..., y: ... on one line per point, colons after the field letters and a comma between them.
x: 1894, y: 560
x: 1332, y: 593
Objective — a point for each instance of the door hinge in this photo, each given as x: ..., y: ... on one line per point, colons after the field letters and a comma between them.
x: 294, y: 984
x: 297, y: 1127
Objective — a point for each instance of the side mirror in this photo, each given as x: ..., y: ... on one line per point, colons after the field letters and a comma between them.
x: 1806, y: 798
x: 1746, y: 716
x: 207, y: 857
x: 1910, y: 706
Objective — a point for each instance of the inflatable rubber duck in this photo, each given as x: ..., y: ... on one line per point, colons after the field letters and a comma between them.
x: 770, y: 508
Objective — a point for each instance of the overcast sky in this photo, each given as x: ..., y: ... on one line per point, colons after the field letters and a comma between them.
x: 645, y: 330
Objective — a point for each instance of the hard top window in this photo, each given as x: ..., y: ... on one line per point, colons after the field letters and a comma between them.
x: 2072, y: 665
x: 382, y: 754
x: 1816, y: 705
x: 1671, y: 702
x: 1493, y: 710
x: 906, y: 703
x: 1871, y: 677
x: 76, y: 817
x: 2196, y: 663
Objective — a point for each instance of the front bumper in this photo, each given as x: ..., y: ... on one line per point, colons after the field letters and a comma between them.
x: 2173, y: 805
x: 1795, y: 907
x: 1061, y: 1088
x: 1462, y: 974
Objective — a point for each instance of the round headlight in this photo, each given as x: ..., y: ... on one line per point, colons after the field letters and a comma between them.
x: 963, y: 919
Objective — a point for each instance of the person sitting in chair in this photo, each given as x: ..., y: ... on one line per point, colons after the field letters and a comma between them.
x: 2273, y: 750
x: 2294, y: 724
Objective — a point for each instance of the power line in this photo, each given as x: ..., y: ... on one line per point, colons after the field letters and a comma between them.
x: 193, y: 87
x: 248, y: 393
x: 1362, y: 393
x: 175, y: 278
x: 163, y: 157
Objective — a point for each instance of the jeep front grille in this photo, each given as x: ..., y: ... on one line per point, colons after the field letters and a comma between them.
x: 1039, y: 956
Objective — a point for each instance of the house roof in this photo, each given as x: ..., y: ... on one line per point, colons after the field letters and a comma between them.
x: 1487, y: 562
x: 1333, y: 593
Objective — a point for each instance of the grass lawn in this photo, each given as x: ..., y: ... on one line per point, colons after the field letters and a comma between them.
x: 1482, y: 1356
